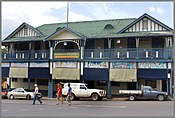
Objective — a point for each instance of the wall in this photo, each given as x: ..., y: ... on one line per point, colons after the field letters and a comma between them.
x: 99, y: 44
x: 145, y: 43
x: 20, y: 83
x: 122, y: 44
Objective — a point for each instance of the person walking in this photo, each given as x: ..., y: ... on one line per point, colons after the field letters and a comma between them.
x: 59, y: 94
x: 36, y: 95
x: 69, y: 94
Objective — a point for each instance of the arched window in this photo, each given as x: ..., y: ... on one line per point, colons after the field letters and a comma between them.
x: 109, y: 26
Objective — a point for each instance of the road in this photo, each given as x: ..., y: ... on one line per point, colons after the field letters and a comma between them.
x: 87, y: 108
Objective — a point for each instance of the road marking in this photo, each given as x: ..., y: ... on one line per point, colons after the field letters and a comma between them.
x: 103, y: 106
x: 5, y: 110
x: 41, y: 109
x: 24, y: 109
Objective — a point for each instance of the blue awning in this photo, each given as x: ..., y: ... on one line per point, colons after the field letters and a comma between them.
x: 95, y: 74
x: 152, y: 74
x: 40, y: 73
x: 5, y: 72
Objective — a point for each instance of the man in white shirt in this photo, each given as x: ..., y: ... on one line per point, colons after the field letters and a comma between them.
x: 36, y: 95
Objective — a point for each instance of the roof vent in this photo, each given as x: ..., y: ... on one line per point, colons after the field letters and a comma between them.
x: 109, y: 26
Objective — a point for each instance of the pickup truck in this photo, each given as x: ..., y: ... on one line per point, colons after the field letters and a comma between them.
x: 79, y: 90
x: 146, y: 92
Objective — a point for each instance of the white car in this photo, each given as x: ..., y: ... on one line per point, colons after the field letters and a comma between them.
x: 21, y: 93
x: 79, y: 90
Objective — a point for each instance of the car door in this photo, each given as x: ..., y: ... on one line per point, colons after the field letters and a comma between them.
x: 148, y: 93
x: 83, y: 91
x: 22, y: 93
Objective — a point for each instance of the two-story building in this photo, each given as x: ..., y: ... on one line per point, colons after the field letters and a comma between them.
x: 109, y: 54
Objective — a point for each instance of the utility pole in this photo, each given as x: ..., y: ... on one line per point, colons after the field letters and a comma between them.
x: 67, y: 13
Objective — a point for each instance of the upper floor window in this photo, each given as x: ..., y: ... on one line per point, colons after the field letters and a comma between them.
x: 145, y: 24
x: 25, y: 31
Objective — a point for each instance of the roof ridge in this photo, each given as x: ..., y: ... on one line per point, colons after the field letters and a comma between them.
x: 87, y: 21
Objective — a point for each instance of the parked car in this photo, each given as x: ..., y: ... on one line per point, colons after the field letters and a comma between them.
x: 4, y: 95
x: 79, y: 90
x: 21, y: 93
x: 146, y: 92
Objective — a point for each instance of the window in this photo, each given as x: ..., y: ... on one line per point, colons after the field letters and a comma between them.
x: 82, y: 87
x: 145, y: 24
x: 151, y: 83
x: 115, y: 84
x: 25, y: 31
x: 42, y: 82
x: 14, y: 80
x: 25, y: 80
x: 102, y: 83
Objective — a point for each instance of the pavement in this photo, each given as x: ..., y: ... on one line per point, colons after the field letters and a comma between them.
x: 105, y: 99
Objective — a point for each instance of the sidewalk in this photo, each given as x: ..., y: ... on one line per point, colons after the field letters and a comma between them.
x: 105, y: 99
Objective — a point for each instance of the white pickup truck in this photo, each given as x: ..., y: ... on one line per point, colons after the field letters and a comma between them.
x: 146, y: 92
x: 79, y: 90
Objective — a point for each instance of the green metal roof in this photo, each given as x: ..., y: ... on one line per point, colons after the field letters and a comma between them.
x: 22, y: 39
x: 89, y: 29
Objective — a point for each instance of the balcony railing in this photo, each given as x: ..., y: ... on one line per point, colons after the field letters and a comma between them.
x: 126, y: 53
x: 37, y: 54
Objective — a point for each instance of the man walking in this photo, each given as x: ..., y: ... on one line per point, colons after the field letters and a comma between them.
x: 69, y: 94
x: 36, y: 95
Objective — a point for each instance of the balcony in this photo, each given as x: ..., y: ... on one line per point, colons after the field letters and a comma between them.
x: 26, y: 55
x: 126, y: 54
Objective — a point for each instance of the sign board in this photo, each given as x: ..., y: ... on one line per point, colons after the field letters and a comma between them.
x: 19, y: 64
x: 96, y: 65
x: 37, y: 64
x: 153, y: 65
x: 65, y: 64
x: 123, y: 65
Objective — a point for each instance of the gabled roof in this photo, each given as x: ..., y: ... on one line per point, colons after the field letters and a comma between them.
x: 20, y: 27
x: 141, y: 17
x: 60, y: 29
x: 89, y: 29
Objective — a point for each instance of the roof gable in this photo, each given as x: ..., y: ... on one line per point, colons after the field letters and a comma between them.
x: 145, y: 23
x: 24, y: 30
x: 62, y: 33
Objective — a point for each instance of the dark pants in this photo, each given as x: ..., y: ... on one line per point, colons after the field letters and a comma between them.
x: 36, y: 98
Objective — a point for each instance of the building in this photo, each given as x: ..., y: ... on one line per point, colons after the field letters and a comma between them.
x: 109, y: 54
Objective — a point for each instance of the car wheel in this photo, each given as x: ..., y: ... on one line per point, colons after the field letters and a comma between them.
x: 95, y: 96
x: 131, y: 97
x: 28, y: 97
x: 161, y: 97
x: 11, y: 97
x: 72, y: 97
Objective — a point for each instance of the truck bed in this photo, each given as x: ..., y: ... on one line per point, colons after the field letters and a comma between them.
x: 129, y: 92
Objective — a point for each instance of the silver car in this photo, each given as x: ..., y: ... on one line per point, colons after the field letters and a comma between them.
x: 21, y: 93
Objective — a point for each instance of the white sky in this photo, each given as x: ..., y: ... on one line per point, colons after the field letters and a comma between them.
x: 39, y: 13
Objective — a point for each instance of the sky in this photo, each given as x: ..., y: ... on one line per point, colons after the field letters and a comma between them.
x: 13, y: 14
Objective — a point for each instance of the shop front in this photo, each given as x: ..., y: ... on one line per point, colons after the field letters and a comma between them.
x: 153, y: 74
x: 123, y: 76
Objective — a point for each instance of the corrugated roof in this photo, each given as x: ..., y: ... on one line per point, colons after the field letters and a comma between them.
x: 88, y: 28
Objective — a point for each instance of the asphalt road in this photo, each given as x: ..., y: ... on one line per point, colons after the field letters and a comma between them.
x: 87, y: 108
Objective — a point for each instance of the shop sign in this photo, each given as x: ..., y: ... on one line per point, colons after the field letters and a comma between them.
x: 96, y: 65
x: 153, y: 65
x: 65, y: 64
x: 34, y: 64
x: 5, y: 65
x: 67, y: 55
x: 123, y: 65
x: 19, y: 64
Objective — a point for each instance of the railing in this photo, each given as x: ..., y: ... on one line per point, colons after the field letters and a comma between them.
x: 126, y: 53
x: 37, y: 54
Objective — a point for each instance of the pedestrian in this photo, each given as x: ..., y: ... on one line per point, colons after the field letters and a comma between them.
x: 59, y: 94
x: 69, y: 94
x: 36, y: 97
